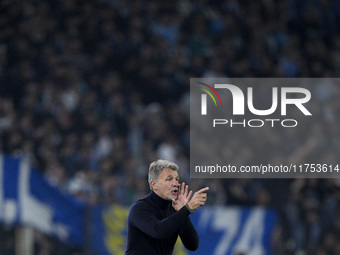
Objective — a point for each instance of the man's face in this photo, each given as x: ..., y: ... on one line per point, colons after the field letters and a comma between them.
x: 167, y: 184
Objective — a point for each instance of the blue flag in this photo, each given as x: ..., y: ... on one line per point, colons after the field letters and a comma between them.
x: 27, y: 198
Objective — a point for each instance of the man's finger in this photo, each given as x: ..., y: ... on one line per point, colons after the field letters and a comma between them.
x: 186, y: 190
x: 203, y: 190
x: 189, y: 195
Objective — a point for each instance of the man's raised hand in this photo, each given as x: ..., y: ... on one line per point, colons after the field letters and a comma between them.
x: 182, y: 197
x: 198, y: 199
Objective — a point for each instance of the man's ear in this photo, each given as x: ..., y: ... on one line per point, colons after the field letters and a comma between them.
x: 153, y: 185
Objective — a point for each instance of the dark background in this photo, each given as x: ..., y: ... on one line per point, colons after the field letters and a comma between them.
x: 96, y: 90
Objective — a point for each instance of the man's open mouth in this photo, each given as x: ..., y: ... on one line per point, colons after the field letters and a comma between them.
x: 174, y: 191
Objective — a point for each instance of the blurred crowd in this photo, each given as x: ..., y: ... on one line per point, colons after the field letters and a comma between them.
x: 94, y: 91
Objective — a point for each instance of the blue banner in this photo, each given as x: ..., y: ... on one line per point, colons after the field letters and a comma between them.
x: 222, y: 230
x: 27, y: 198
x: 234, y: 230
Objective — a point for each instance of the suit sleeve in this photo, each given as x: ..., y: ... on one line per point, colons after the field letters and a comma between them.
x: 189, y: 235
x: 142, y: 216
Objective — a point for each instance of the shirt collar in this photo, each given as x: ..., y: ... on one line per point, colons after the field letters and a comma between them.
x: 158, y: 200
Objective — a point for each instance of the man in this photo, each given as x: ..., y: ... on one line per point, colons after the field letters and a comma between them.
x: 156, y: 220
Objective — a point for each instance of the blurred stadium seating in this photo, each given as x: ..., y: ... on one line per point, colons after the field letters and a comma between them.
x: 95, y: 90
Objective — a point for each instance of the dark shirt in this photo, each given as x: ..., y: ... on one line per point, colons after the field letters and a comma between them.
x: 154, y: 226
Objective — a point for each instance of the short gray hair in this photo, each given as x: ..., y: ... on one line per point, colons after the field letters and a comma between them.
x: 156, y: 168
